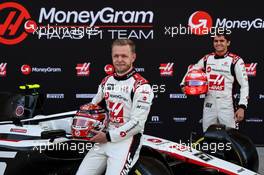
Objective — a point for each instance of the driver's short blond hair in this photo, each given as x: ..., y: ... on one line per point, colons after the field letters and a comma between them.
x: 123, y: 42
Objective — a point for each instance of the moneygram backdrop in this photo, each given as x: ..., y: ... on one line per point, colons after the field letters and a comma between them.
x: 51, y: 43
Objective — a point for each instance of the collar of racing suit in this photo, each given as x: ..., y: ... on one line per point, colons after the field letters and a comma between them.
x: 126, y: 76
x: 221, y: 56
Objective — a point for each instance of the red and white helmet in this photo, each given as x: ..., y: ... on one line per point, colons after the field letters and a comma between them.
x: 196, y: 82
x: 89, y: 117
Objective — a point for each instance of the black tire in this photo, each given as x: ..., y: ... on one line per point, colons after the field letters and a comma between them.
x: 149, y: 166
x: 243, y: 152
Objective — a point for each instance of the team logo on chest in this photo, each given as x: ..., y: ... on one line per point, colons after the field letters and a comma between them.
x: 217, y: 82
x: 116, y: 112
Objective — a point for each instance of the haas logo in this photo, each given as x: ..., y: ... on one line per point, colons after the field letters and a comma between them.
x: 217, y: 82
x: 200, y: 23
x: 251, y: 69
x: 116, y: 112
x: 83, y: 69
x: 14, y: 17
x: 166, y: 69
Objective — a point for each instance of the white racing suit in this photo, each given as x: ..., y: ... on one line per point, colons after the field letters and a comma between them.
x: 128, y: 100
x: 222, y: 72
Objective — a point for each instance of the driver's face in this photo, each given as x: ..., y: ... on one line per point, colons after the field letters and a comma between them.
x: 122, y: 58
x: 221, y: 44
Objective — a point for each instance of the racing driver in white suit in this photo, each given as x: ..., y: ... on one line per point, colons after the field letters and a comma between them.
x: 223, y: 69
x: 128, y: 98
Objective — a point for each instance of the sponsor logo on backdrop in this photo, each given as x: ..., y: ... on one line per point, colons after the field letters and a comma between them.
x: 254, y: 120
x: 180, y: 119
x: 247, y: 25
x: 83, y: 69
x: 85, y: 95
x: 166, y: 69
x: 15, y: 23
x: 178, y: 96
x: 106, y: 15
x: 3, y: 69
x: 55, y: 96
x: 109, y: 69
x: 116, y: 23
x: 46, y: 69
x: 27, y: 69
x: 229, y: 23
x: 155, y: 120
x: 56, y: 23
x: 81, y: 32
x: 200, y: 22
x: 251, y: 69
x: 140, y: 69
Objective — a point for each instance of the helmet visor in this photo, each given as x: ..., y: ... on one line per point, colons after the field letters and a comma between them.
x: 83, y: 122
x: 195, y: 83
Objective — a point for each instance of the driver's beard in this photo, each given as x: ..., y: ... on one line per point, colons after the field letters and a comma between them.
x: 123, y: 71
